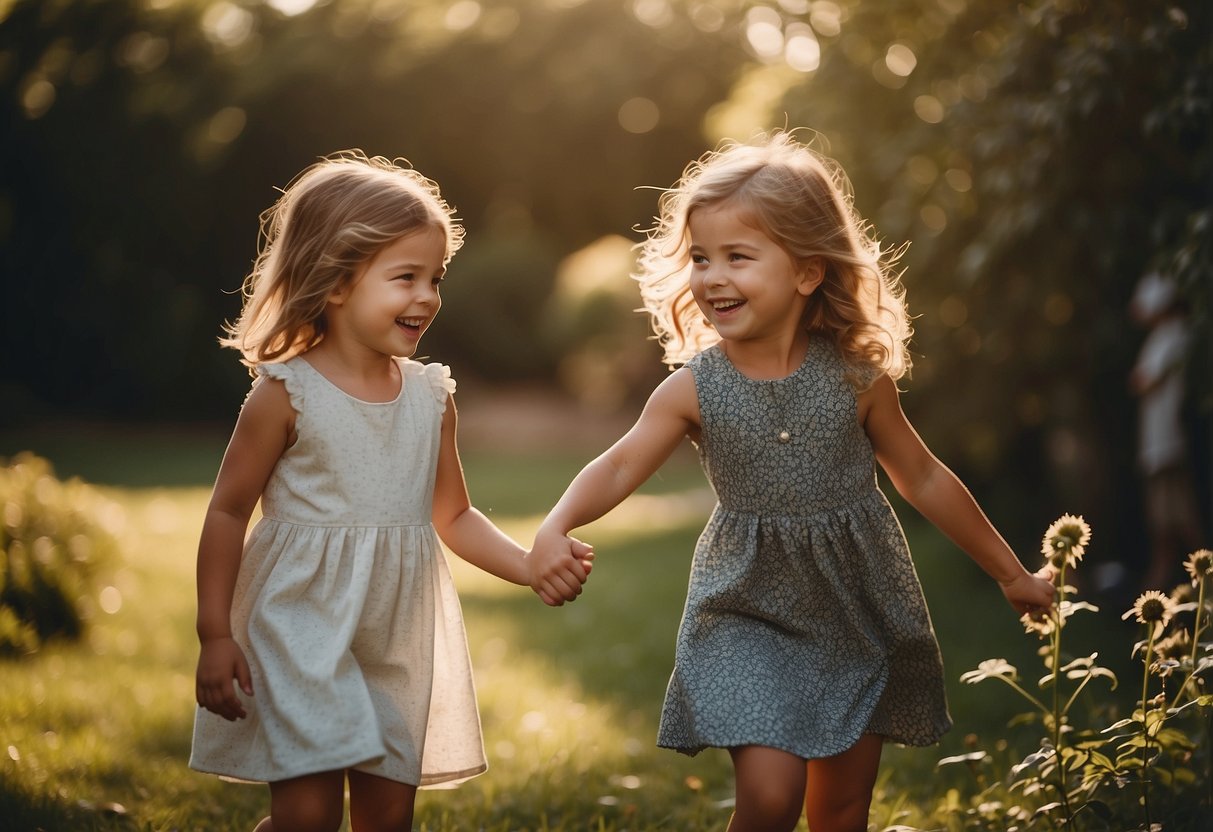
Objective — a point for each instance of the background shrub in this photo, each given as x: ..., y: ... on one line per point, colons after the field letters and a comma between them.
x: 54, y: 541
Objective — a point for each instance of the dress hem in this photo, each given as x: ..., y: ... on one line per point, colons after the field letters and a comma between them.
x: 815, y: 754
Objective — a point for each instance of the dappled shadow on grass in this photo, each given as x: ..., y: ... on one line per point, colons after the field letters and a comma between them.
x: 20, y: 811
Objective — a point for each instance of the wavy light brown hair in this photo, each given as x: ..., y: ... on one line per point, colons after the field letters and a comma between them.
x: 332, y: 218
x: 801, y: 200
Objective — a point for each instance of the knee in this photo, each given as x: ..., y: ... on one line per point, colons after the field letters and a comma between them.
x: 394, y: 818
x: 306, y: 813
x: 839, y: 815
x: 766, y: 808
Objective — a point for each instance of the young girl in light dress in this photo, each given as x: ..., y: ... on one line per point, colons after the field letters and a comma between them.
x: 805, y: 642
x: 332, y: 642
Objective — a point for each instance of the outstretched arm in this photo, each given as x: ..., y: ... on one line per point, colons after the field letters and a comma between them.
x: 475, y: 538
x: 263, y: 431
x: 671, y: 414
x: 929, y: 486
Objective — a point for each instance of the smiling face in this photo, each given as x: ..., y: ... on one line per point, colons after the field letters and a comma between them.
x: 393, y: 297
x: 744, y: 283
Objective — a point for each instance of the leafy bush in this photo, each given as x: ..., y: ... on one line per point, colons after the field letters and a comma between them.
x: 53, y: 544
x: 1149, y: 771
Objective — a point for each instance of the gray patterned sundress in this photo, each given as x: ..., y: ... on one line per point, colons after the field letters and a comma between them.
x: 805, y: 625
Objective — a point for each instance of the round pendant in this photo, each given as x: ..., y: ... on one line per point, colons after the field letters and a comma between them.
x: 784, y: 436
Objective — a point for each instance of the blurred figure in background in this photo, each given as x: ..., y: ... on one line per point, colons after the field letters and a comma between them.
x: 1163, y: 452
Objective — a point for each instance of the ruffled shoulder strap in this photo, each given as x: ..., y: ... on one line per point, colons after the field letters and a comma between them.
x: 288, y: 373
x: 437, y: 378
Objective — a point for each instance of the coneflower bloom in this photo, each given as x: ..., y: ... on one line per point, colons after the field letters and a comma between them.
x: 1199, y: 564
x: 1152, y: 608
x: 1066, y: 540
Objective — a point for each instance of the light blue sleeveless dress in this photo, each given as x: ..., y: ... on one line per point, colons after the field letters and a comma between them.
x: 344, y: 605
x: 805, y: 625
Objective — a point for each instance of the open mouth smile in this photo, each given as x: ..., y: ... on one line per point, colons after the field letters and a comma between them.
x: 411, y: 326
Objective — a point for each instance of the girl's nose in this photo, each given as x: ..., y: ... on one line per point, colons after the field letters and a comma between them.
x: 714, y: 276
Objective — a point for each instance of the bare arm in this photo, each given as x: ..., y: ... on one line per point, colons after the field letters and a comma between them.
x: 671, y: 414
x: 937, y: 493
x: 474, y: 537
x: 263, y: 431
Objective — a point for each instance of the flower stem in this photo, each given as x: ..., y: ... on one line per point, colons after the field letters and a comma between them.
x: 1058, y: 715
x: 1145, y: 722
x: 1196, y: 628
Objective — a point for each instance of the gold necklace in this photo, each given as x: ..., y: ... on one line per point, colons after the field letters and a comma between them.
x: 784, y: 435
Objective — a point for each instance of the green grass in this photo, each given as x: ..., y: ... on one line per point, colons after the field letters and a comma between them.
x: 569, y: 697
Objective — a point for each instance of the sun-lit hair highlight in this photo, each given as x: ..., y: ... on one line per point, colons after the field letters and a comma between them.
x: 803, y: 201
x: 332, y: 218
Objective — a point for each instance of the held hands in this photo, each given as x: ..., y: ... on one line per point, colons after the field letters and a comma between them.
x: 558, y: 565
x: 221, y: 661
x: 1030, y: 593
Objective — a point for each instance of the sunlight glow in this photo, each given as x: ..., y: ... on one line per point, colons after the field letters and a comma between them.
x: 227, y: 24
x: 929, y: 109
x: 290, y: 8
x: 639, y: 115
x: 655, y: 13
x: 226, y: 125
x: 900, y: 59
x: 707, y: 18
x: 462, y: 15
x: 933, y: 217
x: 763, y: 32
x: 960, y: 180
x: 802, y: 51
x: 826, y: 18
x: 37, y: 97
x: 110, y: 600
x: 143, y: 51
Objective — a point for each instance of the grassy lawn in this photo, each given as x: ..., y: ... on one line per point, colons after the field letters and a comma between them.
x: 97, y: 733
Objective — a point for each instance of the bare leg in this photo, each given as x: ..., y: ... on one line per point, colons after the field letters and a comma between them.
x: 380, y: 805
x: 312, y: 803
x: 770, y: 789
x: 839, y: 791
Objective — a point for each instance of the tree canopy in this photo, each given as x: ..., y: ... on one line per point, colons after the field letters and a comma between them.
x: 1038, y: 158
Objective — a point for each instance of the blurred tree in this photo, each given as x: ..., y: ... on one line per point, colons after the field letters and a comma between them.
x: 144, y: 138
x: 1039, y: 158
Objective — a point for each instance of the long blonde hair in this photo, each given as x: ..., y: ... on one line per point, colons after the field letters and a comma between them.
x: 803, y: 202
x: 330, y: 219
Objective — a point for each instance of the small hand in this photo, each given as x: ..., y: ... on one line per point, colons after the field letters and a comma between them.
x: 558, y: 566
x: 220, y: 661
x: 1031, y: 593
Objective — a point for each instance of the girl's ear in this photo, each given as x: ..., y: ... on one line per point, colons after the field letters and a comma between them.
x: 811, y: 274
x: 341, y: 291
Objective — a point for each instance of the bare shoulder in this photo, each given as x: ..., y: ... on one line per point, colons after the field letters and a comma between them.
x: 880, y: 399
x: 676, y: 396
x: 268, y: 411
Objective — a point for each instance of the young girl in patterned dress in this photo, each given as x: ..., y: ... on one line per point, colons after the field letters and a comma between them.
x: 332, y: 643
x: 805, y: 642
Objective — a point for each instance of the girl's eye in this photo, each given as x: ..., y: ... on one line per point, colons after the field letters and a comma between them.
x: 698, y: 259
x: 735, y: 256
x: 406, y: 276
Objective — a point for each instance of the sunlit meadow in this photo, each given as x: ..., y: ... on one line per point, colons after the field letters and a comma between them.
x: 96, y: 734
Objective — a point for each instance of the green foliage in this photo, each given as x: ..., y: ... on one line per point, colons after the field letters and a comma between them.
x: 1151, y: 770
x: 1039, y: 157
x: 53, y: 544
x: 144, y: 139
